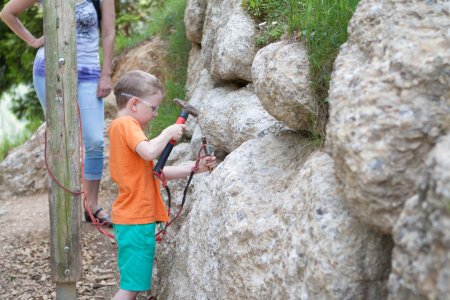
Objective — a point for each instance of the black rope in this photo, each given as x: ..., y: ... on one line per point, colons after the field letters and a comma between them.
x: 169, y: 201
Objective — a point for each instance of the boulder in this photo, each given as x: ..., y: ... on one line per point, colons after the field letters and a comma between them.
x: 281, y: 77
x: 389, y: 103
x: 195, y: 67
x: 230, y: 116
x: 194, y: 17
x: 228, y: 42
x: 234, y: 49
x: 201, y: 85
x: 149, y: 56
x: 270, y: 223
x: 421, y: 256
x: 23, y: 171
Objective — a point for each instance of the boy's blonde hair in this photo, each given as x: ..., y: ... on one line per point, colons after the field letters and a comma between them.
x: 137, y: 83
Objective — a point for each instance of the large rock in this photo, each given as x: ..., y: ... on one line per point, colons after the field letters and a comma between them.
x: 267, y: 225
x: 235, y: 49
x: 194, y: 17
x: 23, y: 171
x: 281, y: 78
x: 389, y: 103
x: 201, y: 84
x: 228, y: 42
x: 421, y: 257
x: 149, y: 56
x: 230, y: 116
x: 195, y: 67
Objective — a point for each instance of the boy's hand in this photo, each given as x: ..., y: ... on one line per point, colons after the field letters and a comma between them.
x: 207, y: 163
x: 175, y: 131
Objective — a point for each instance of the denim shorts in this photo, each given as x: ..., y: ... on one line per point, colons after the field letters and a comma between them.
x: 136, y: 253
x: 92, y: 118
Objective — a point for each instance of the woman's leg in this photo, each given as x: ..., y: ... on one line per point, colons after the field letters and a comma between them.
x: 39, y: 87
x: 92, y: 117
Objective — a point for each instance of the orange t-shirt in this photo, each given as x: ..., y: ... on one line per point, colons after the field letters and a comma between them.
x: 139, y: 200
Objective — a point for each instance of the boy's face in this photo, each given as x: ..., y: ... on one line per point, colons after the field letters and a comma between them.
x: 146, y: 108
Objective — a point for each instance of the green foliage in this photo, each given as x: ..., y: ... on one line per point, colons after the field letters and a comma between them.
x: 7, y: 144
x: 271, y: 16
x: 321, y: 25
x: 169, y: 24
x: 135, y: 21
x: 132, y: 19
x: 23, y: 110
x: 166, y: 21
x: 447, y: 204
x: 131, y: 16
x: 16, y: 63
x: 16, y: 57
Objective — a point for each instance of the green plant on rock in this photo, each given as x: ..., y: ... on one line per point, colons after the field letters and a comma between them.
x: 321, y: 25
x: 447, y: 204
x: 271, y: 18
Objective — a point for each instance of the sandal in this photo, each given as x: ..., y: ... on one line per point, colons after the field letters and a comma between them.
x: 106, y: 221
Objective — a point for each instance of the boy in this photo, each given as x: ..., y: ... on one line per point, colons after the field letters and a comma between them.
x: 139, y: 204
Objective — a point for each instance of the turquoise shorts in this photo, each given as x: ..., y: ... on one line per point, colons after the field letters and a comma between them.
x: 136, y: 252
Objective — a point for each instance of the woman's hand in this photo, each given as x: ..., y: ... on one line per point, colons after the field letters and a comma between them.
x: 104, y: 86
x: 37, y: 43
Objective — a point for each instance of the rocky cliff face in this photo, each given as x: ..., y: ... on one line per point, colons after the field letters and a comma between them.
x: 365, y: 217
x: 389, y: 113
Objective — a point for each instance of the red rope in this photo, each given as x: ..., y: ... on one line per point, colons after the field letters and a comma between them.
x: 83, y: 192
x: 162, y: 233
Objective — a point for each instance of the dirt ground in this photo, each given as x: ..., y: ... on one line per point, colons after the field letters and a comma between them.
x: 25, y: 253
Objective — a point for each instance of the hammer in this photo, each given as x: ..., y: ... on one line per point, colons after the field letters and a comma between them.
x: 186, y: 110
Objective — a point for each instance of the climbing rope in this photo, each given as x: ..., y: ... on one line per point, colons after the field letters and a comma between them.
x: 162, y: 233
x: 83, y: 192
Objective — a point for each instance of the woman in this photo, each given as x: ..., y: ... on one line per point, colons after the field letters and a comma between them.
x: 93, y: 83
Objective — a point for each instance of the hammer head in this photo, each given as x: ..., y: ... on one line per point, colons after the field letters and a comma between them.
x: 186, y: 107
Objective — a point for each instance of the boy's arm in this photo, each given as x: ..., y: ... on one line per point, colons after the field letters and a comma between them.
x: 182, y: 171
x: 150, y: 150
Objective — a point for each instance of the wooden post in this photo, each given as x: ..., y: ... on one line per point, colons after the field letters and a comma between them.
x: 64, y: 148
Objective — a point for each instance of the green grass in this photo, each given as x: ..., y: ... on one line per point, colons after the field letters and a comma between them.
x: 170, y: 26
x: 9, y: 143
x: 168, y: 23
x: 271, y: 16
x: 321, y: 25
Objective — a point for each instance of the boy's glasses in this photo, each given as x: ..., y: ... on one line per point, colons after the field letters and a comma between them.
x: 153, y: 107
